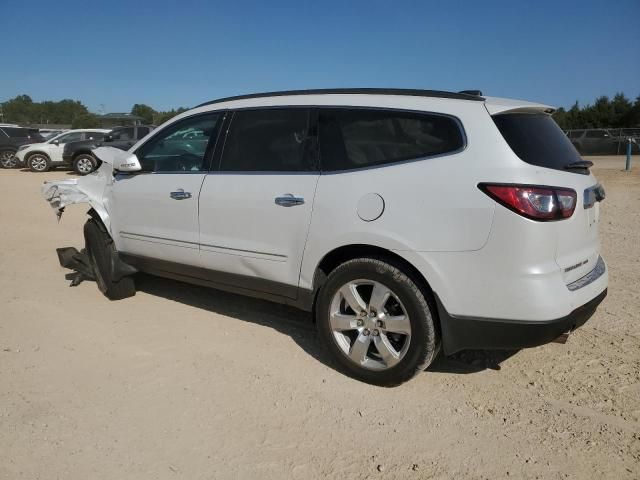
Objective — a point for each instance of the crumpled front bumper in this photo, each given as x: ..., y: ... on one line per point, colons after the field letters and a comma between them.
x: 94, y: 189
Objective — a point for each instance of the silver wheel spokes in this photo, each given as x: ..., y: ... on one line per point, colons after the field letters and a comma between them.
x: 7, y: 160
x: 370, y: 324
x: 85, y: 165
x: 38, y: 163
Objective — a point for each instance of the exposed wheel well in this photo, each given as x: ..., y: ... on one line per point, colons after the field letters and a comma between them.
x: 82, y: 152
x: 348, y: 252
x: 31, y: 154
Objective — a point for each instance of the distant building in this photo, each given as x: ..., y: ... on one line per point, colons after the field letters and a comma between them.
x: 110, y: 120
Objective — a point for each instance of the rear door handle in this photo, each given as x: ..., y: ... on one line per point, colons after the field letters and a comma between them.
x: 288, y: 200
x: 180, y: 194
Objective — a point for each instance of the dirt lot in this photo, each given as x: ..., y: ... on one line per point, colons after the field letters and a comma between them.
x: 181, y: 382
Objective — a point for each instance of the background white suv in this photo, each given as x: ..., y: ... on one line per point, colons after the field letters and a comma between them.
x: 405, y: 220
x: 40, y: 157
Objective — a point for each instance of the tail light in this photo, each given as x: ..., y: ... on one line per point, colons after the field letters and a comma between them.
x: 540, y: 203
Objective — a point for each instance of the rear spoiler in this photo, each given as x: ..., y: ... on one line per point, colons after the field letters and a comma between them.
x: 495, y: 106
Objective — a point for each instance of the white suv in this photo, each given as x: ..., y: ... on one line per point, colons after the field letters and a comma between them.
x: 40, y: 157
x: 405, y: 220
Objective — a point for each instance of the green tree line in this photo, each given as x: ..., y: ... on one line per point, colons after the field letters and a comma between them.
x: 22, y: 110
x: 603, y: 113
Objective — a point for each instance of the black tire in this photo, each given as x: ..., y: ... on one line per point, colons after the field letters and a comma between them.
x: 81, y: 161
x: 424, y: 341
x: 6, y: 159
x: 38, y: 162
x: 103, y: 256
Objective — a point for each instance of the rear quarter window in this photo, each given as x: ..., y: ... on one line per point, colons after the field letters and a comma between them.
x: 361, y: 138
x: 536, y: 139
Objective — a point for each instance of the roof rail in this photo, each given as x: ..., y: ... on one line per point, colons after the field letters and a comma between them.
x: 477, y: 93
x: 358, y: 91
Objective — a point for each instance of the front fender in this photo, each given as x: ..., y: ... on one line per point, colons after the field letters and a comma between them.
x: 93, y: 189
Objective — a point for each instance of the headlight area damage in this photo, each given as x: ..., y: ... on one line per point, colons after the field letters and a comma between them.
x: 94, y: 189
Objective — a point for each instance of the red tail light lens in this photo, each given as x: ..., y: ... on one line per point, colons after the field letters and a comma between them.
x: 535, y: 202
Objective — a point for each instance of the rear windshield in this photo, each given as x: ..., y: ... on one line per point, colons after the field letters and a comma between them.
x: 16, y: 132
x: 537, y: 139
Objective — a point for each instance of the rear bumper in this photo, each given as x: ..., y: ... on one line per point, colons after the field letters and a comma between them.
x: 461, y: 333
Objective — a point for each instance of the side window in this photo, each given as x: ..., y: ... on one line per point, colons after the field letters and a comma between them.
x: 122, y: 134
x: 268, y: 140
x: 181, y: 147
x: 596, y: 134
x: 94, y: 135
x: 575, y: 133
x: 359, y: 138
x: 16, y: 132
x: 70, y: 137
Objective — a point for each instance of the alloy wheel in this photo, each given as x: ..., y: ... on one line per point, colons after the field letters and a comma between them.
x: 84, y: 165
x: 369, y: 324
x: 38, y: 162
x: 7, y: 159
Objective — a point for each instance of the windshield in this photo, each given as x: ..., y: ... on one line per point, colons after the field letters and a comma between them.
x: 537, y: 139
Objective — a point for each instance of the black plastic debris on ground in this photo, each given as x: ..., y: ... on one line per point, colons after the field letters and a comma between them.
x: 78, y: 261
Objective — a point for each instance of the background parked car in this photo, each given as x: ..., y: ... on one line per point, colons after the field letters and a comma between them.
x: 40, y: 157
x: 48, y: 133
x: 78, y: 154
x: 601, y: 141
x: 13, y: 137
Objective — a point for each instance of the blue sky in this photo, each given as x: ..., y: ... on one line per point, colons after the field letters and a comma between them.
x: 181, y: 53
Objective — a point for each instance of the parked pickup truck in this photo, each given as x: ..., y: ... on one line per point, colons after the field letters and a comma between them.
x: 602, y: 141
x: 79, y: 156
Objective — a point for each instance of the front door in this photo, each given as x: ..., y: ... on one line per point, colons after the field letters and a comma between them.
x: 256, y: 210
x: 56, y: 147
x: 155, y: 211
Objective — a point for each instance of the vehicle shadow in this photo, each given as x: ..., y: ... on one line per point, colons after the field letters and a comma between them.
x: 471, y: 361
x: 287, y: 320
x: 295, y: 323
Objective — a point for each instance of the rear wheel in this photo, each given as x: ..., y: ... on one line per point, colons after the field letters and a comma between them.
x: 103, y: 256
x: 38, y: 162
x: 85, y: 163
x: 376, y: 322
x: 7, y: 159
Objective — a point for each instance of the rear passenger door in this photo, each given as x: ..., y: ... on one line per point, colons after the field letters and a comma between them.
x: 255, y: 210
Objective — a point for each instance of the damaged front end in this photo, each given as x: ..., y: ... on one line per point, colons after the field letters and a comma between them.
x: 79, y: 262
x: 95, y: 190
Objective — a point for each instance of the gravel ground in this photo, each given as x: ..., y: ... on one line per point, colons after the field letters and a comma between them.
x: 182, y: 382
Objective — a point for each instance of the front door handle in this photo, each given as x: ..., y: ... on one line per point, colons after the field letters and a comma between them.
x: 288, y: 200
x: 180, y: 194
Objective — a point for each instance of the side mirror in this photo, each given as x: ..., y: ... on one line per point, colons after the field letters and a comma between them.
x: 108, y: 138
x: 129, y: 163
x: 56, y: 142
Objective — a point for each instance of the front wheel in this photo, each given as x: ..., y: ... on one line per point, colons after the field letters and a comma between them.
x: 103, y: 257
x: 376, y: 322
x: 84, y: 164
x: 38, y: 163
x: 7, y: 159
